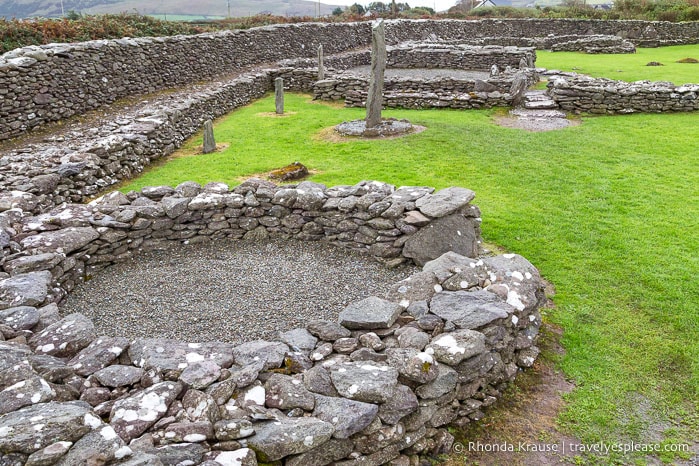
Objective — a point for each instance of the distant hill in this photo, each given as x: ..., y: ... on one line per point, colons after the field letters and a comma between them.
x: 173, y: 9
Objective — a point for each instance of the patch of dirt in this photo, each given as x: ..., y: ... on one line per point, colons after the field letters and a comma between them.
x: 275, y: 114
x: 535, y: 124
x: 520, y: 430
x: 331, y: 135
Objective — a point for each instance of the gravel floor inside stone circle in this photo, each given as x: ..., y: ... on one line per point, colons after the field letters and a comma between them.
x: 232, y: 291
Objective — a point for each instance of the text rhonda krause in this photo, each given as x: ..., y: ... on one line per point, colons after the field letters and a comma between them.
x: 599, y: 448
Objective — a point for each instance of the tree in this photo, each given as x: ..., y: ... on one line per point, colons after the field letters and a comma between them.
x: 356, y: 9
x: 378, y: 8
x: 337, y: 11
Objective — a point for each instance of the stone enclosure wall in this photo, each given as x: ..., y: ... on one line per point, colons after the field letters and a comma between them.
x: 53, y: 82
x: 582, y: 94
x: 380, y: 384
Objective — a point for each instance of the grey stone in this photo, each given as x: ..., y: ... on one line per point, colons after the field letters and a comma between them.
x: 412, y: 364
x: 370, y: 313
x: 444, y: 383
x: 164, y: 354
x: 362, y: 381
x: 65, y: 240
x: 452, y: 348
x: 298, y: 339
x: 326, y: 453
x: 469, y: 310
x: 20, y: 318
x: 209, y: 140
x: 402, y: 403
x: 157, y: 192
x: 48, y: 455
x: 347, y: 416
x: 321, y: 67
x: 444, y: 202
x: 284, y: 392
x: 34, y: 263
x: 130, y: 417
x: 98, y: 354
x: 26, y: 289
x: 240, y: 457
x: 191, y: 432
x: 199, y: 375
x: 449, y: 264
x: 51, y: 368
x: 317, y: 380
x: 275, y: 440
x: 279, y: 96
x: 327, y: 331
x: 119, y: 376
x: 64, y: 422
x: 411, y: 337
x: 100, y: 444
x: 181, y: 453
x: 66, y: 337
x: 175, y: 206
x: 233, y: 429
x: 374, y: 103
x: 419, y: 286
x: 200, y: 406
x: 451, y: 233
x: 24, y: 393
x: 270, y: 353
x: 244, y: 376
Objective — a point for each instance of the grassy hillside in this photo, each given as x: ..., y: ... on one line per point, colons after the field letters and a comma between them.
x: 181, y: 9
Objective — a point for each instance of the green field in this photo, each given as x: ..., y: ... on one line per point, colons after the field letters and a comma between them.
x: 628, y: 67
x: 608, y: 211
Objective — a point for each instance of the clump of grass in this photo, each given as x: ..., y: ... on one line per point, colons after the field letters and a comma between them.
x: 688, y: 60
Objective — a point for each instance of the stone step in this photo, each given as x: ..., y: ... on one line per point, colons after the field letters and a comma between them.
x: 540, y: 104
x: 533, y: 96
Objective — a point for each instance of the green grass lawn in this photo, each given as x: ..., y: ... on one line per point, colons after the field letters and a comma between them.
x: 628, y: 67
x: 608, y: 211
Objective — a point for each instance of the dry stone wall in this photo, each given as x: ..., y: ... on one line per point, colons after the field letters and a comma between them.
x: 458, y: 56
x: 583, y: 94
x: 53, y: 82
x: 381, y: 383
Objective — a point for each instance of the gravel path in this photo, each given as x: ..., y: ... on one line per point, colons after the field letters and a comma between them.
x: 231, y: 291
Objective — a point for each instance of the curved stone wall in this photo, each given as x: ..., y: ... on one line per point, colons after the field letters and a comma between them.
x: 53, y: 82
x: 381, y: 383
x: 583, y: 94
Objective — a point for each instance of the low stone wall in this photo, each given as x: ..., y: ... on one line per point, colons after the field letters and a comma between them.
x: 418, y: 93
x: 37, y: 180
x: 640, y: 33
x: 582, y: 94
x: 54, y: 82
x: 382, y: 383
x: 595, y: 44
x: 458, y: 56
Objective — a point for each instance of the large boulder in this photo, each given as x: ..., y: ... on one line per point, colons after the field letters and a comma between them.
x: 26, y: 289
x: 469, y: 310
x: 454, y: 232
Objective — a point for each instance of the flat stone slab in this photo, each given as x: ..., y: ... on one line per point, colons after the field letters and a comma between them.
x: 26, y: 289
x: 66, y: 240
x: 452, y: 348
x: 348, y: 416
x: 469, y: 310
x: 165, y: 354
x: 132, y: 416
x: 38, y: 426
x: 66, y: 337
x: 99, y: 354
x: 370, y: 313
x: 364, y: 381
x: 445, y: 201
x: 273, y: 440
